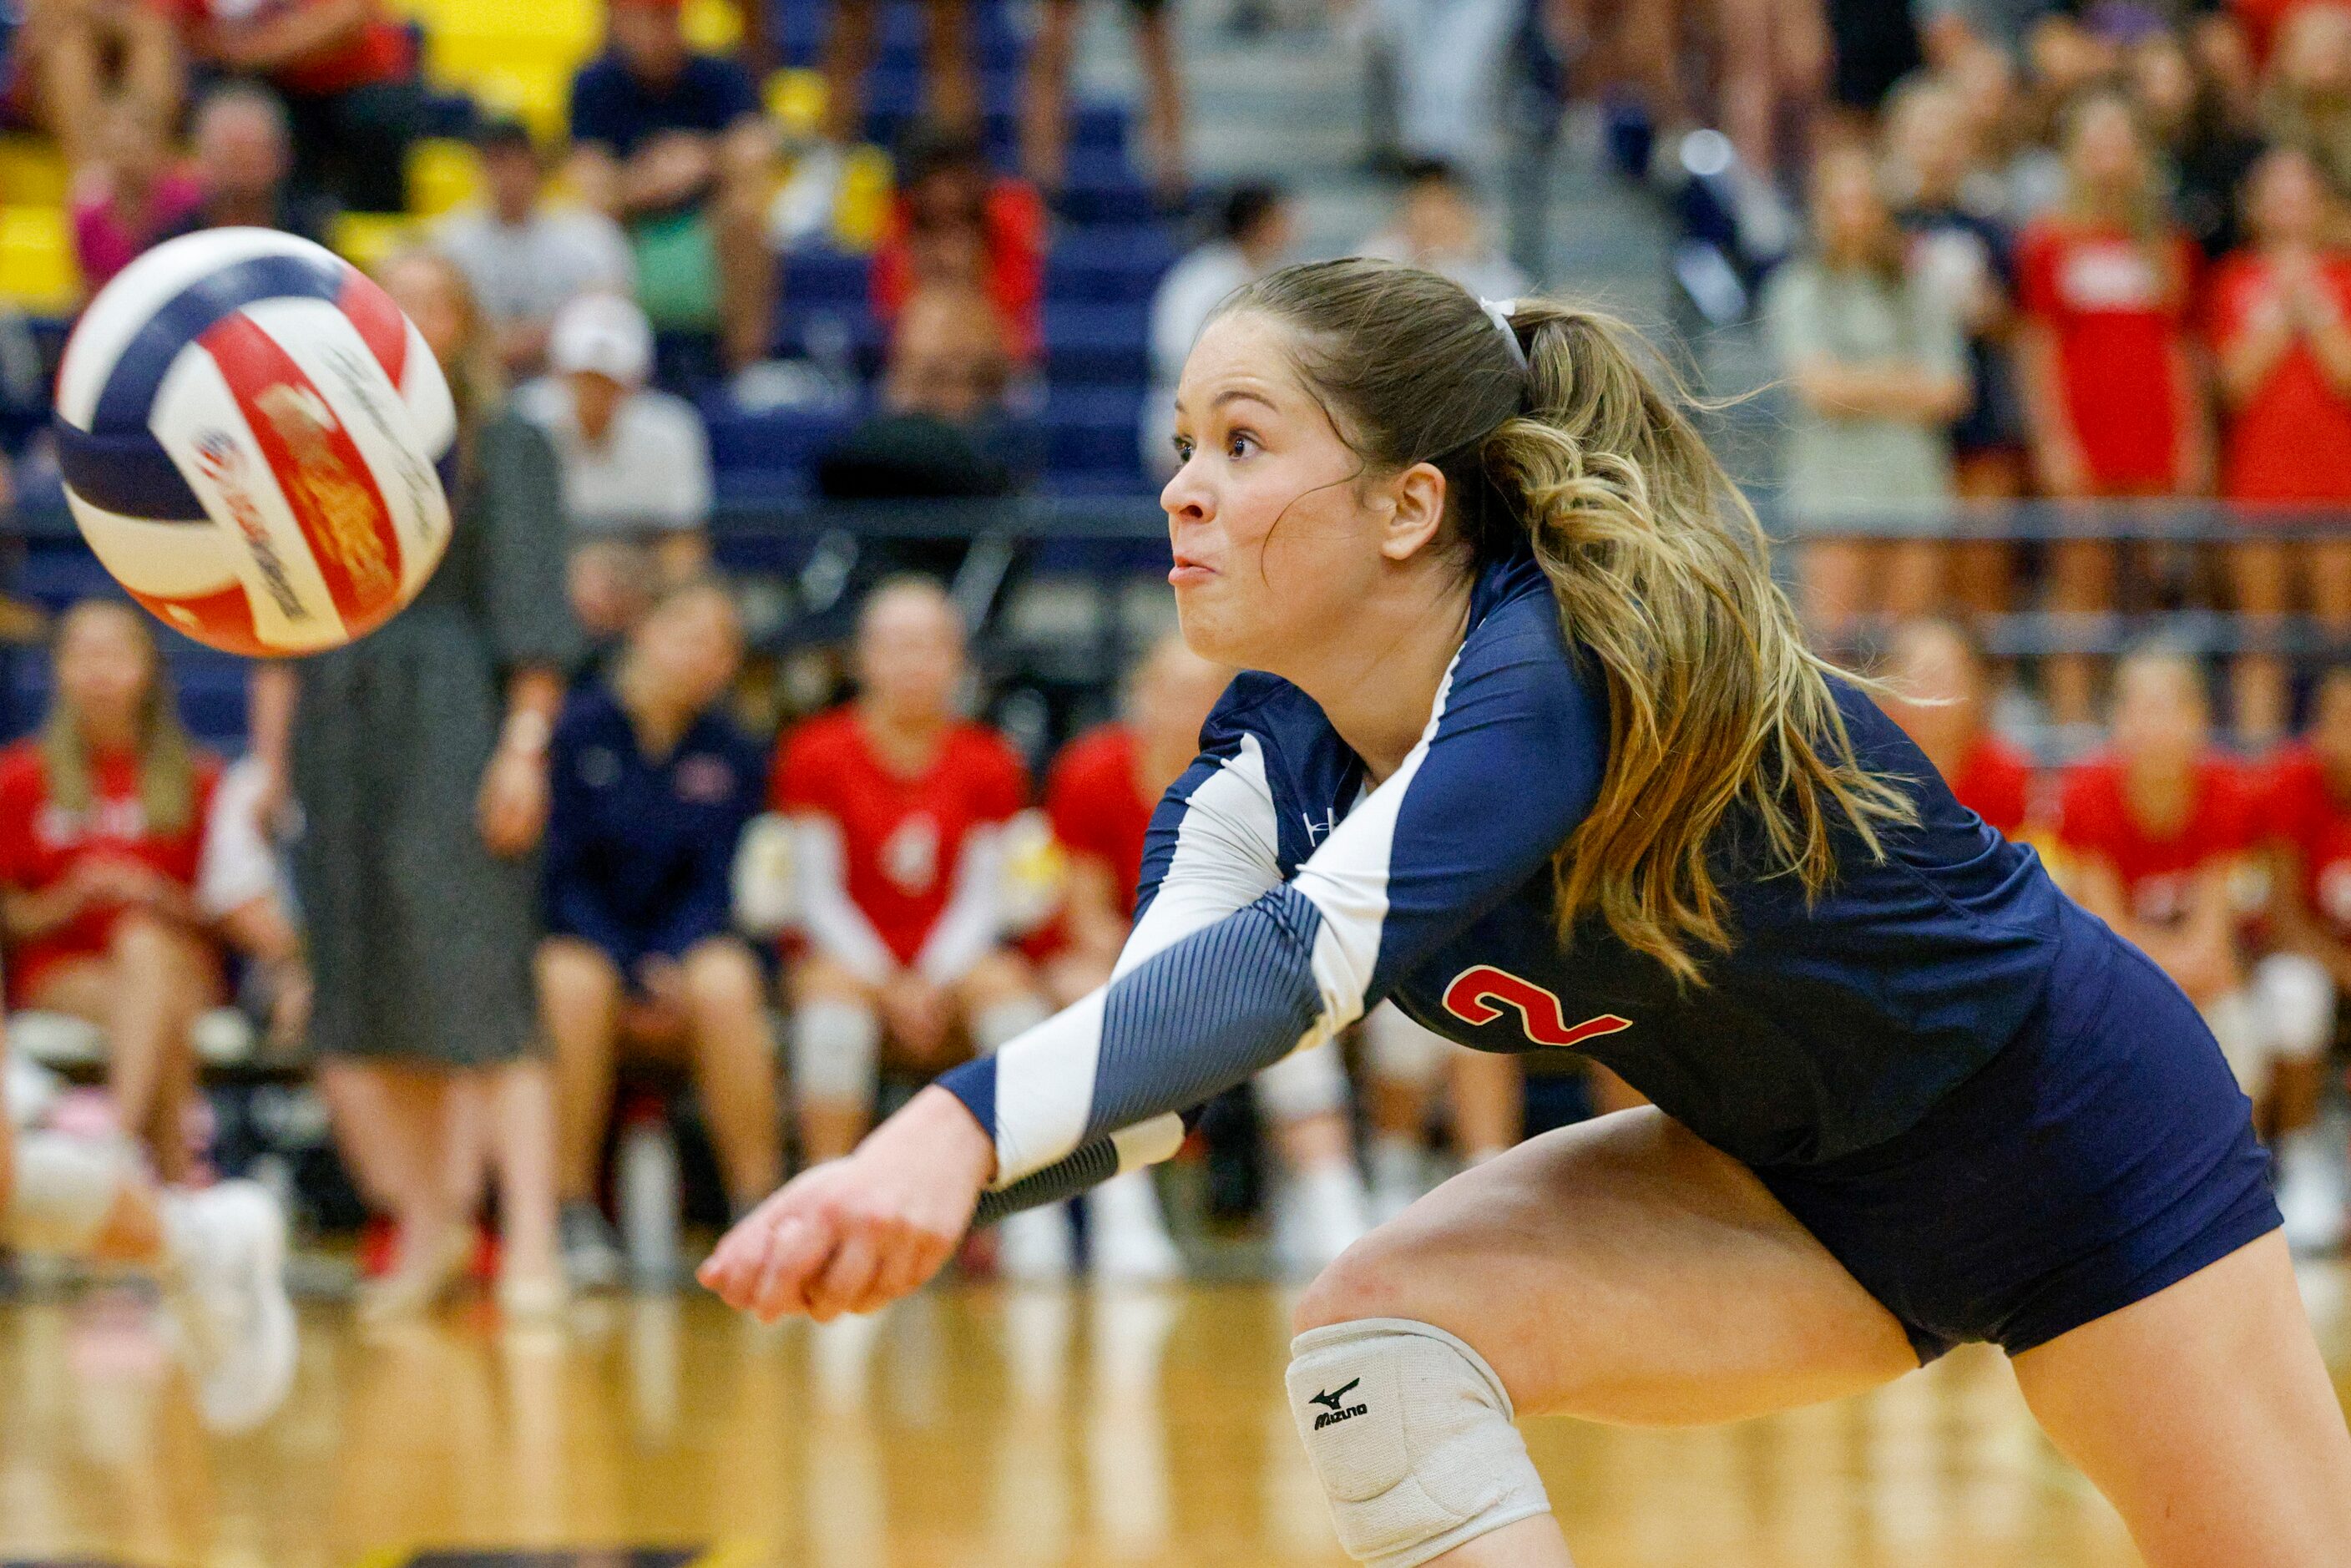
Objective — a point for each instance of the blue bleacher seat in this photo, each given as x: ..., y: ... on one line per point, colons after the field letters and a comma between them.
x: 1100, y: 343
x: 1093, y: 430
x: 825, y: 278
x: 1113, y: 264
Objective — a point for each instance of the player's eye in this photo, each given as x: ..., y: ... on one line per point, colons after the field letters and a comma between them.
x: 1183, y: 444
x: 1239, y: 445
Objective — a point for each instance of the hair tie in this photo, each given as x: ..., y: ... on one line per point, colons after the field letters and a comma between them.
x: 1498, y: 311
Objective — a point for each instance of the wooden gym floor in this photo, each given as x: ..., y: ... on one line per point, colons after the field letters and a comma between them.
x: 969, y: 1426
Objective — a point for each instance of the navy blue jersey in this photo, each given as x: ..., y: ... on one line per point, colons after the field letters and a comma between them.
x: 618, y: 110
x: 1282, y: 898
x: 641, y: 850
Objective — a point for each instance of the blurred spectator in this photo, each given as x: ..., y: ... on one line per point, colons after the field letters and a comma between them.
x: 1943, y: 700
x: 1438, y: 226
x: 525, y: 257
x: 1256, y: 228
x: 651, y: 786
x: 129, y: 195
x: 942, y: 429
x: 955, y: 224
x: 899, y: 806
x: 1950, y: 29
x: 674, y: 146
x: 1045, y: 98
x: 2112, y: 403
x: 1871, y: 48
x: 418, y: 757
x: 635, y: 460
x: 1103, y: 789
x: 2153, y: 837
x: 80, y: 57
x: 347, y: 72
x: 2307, y: 822
x: 2307, y: 103
x: 118, y: 875
x: 1447, y: 58
x: 2207, y: 147
x: 2280, y: 328
x: 803, y: 209
x: 1961, y: 246
x: 1404, y: 1067
x: 1878, y: 371
x: 242, y: 158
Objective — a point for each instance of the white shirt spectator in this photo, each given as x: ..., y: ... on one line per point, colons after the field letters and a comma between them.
x: 528, y: 271
x: 651, y: 474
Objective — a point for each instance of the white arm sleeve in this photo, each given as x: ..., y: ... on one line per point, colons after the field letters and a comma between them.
x: 835, y: 923
x: 972, y: 921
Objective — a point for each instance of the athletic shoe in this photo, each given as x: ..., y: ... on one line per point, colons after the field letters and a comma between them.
x: 1127, y: 1235
x: 1033, y: 1247
x: 1320, y: 1214
x: 532, y: 1298
x: 802, y: 211
x: 419, y: 1282
x: 591, y: 1253
x: 223, y: 1280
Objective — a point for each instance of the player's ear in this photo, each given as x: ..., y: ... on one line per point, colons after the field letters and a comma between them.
x: 1418, y: 510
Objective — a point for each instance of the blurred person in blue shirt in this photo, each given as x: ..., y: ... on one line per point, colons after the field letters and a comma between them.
x: 651, y: 786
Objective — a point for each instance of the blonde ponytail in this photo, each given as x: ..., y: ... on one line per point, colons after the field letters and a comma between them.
x: 1560, y: 436
x: 1662, y: 575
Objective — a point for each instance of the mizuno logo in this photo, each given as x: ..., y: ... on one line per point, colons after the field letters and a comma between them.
x: 1338, y: 1408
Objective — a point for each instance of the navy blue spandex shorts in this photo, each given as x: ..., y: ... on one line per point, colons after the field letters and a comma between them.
x: 2106, y: 1153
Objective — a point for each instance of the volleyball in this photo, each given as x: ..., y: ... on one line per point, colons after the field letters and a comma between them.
x: 255, y: 441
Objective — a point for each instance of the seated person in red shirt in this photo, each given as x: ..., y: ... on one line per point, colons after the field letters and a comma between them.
x: 1104, y: 787
x: 955, y: 224
x: 347, y: 72
x: 650, y: 785
x: 118, y: 874
x: 2156, y: 839
x: 898, y: 807
x: 1944, y: 703
x: 2112, y: 403
x: 2281, y: 331
x: 2307, y: 825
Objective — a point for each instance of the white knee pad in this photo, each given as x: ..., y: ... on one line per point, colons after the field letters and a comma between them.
x: 2236, y: 1023
x: 2297, y: 1000
x: 65, y: 1187
x: 836, y: 1052
x: 1304, y: 1083
x: 1410, y: 1433
x: 1400, y: 1050
x: 1006, y: 1020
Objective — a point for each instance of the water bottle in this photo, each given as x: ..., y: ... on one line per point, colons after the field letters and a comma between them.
x: 649, y: 1199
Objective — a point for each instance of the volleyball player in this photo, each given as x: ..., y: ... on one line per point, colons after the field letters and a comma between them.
x: 1536, y: 749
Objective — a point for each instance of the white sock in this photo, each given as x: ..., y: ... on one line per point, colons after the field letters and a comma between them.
x: 836, y: 1052
x: 65, y: 1188
x: 1396, y: 1162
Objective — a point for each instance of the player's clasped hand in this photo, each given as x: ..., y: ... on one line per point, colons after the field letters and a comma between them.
x: 856, y: 1234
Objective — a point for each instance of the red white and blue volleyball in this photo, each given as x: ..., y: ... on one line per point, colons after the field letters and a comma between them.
x: 255, y: 441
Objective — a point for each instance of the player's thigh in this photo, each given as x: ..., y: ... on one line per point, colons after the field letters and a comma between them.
x: 576, y: 974
x: 814, y: 978
x: 1621, y: 1270
x: 2205, y: 1415
x: 722, y: 977
x: 78, y: 987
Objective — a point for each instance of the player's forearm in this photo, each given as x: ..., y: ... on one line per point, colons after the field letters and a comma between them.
x: 1203, y: 1014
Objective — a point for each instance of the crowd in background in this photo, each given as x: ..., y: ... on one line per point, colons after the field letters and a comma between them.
x: 507, y: 863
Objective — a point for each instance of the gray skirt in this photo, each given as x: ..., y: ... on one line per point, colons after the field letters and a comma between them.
x: 420, y: 938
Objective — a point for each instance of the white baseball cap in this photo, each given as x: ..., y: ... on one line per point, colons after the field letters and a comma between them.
x: 604, y: 333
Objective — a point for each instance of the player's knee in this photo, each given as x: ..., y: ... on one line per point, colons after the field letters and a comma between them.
x: 721, y: 976
x: 1374, y: 1277
x: 1411, y: 1435
x: 572, y: 973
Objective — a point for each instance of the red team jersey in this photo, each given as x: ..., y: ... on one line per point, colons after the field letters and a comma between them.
x: 2093, y: 819
x: 40, y: 843
x: 2312, y: 818
x: 2116, y: 308
x: 900, y: 836
x: 2290, y: 441
x: 1095, y: 808
x: 1994, y: 780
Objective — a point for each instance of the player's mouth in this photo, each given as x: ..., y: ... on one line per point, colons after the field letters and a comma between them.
x: 1188, y: 573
